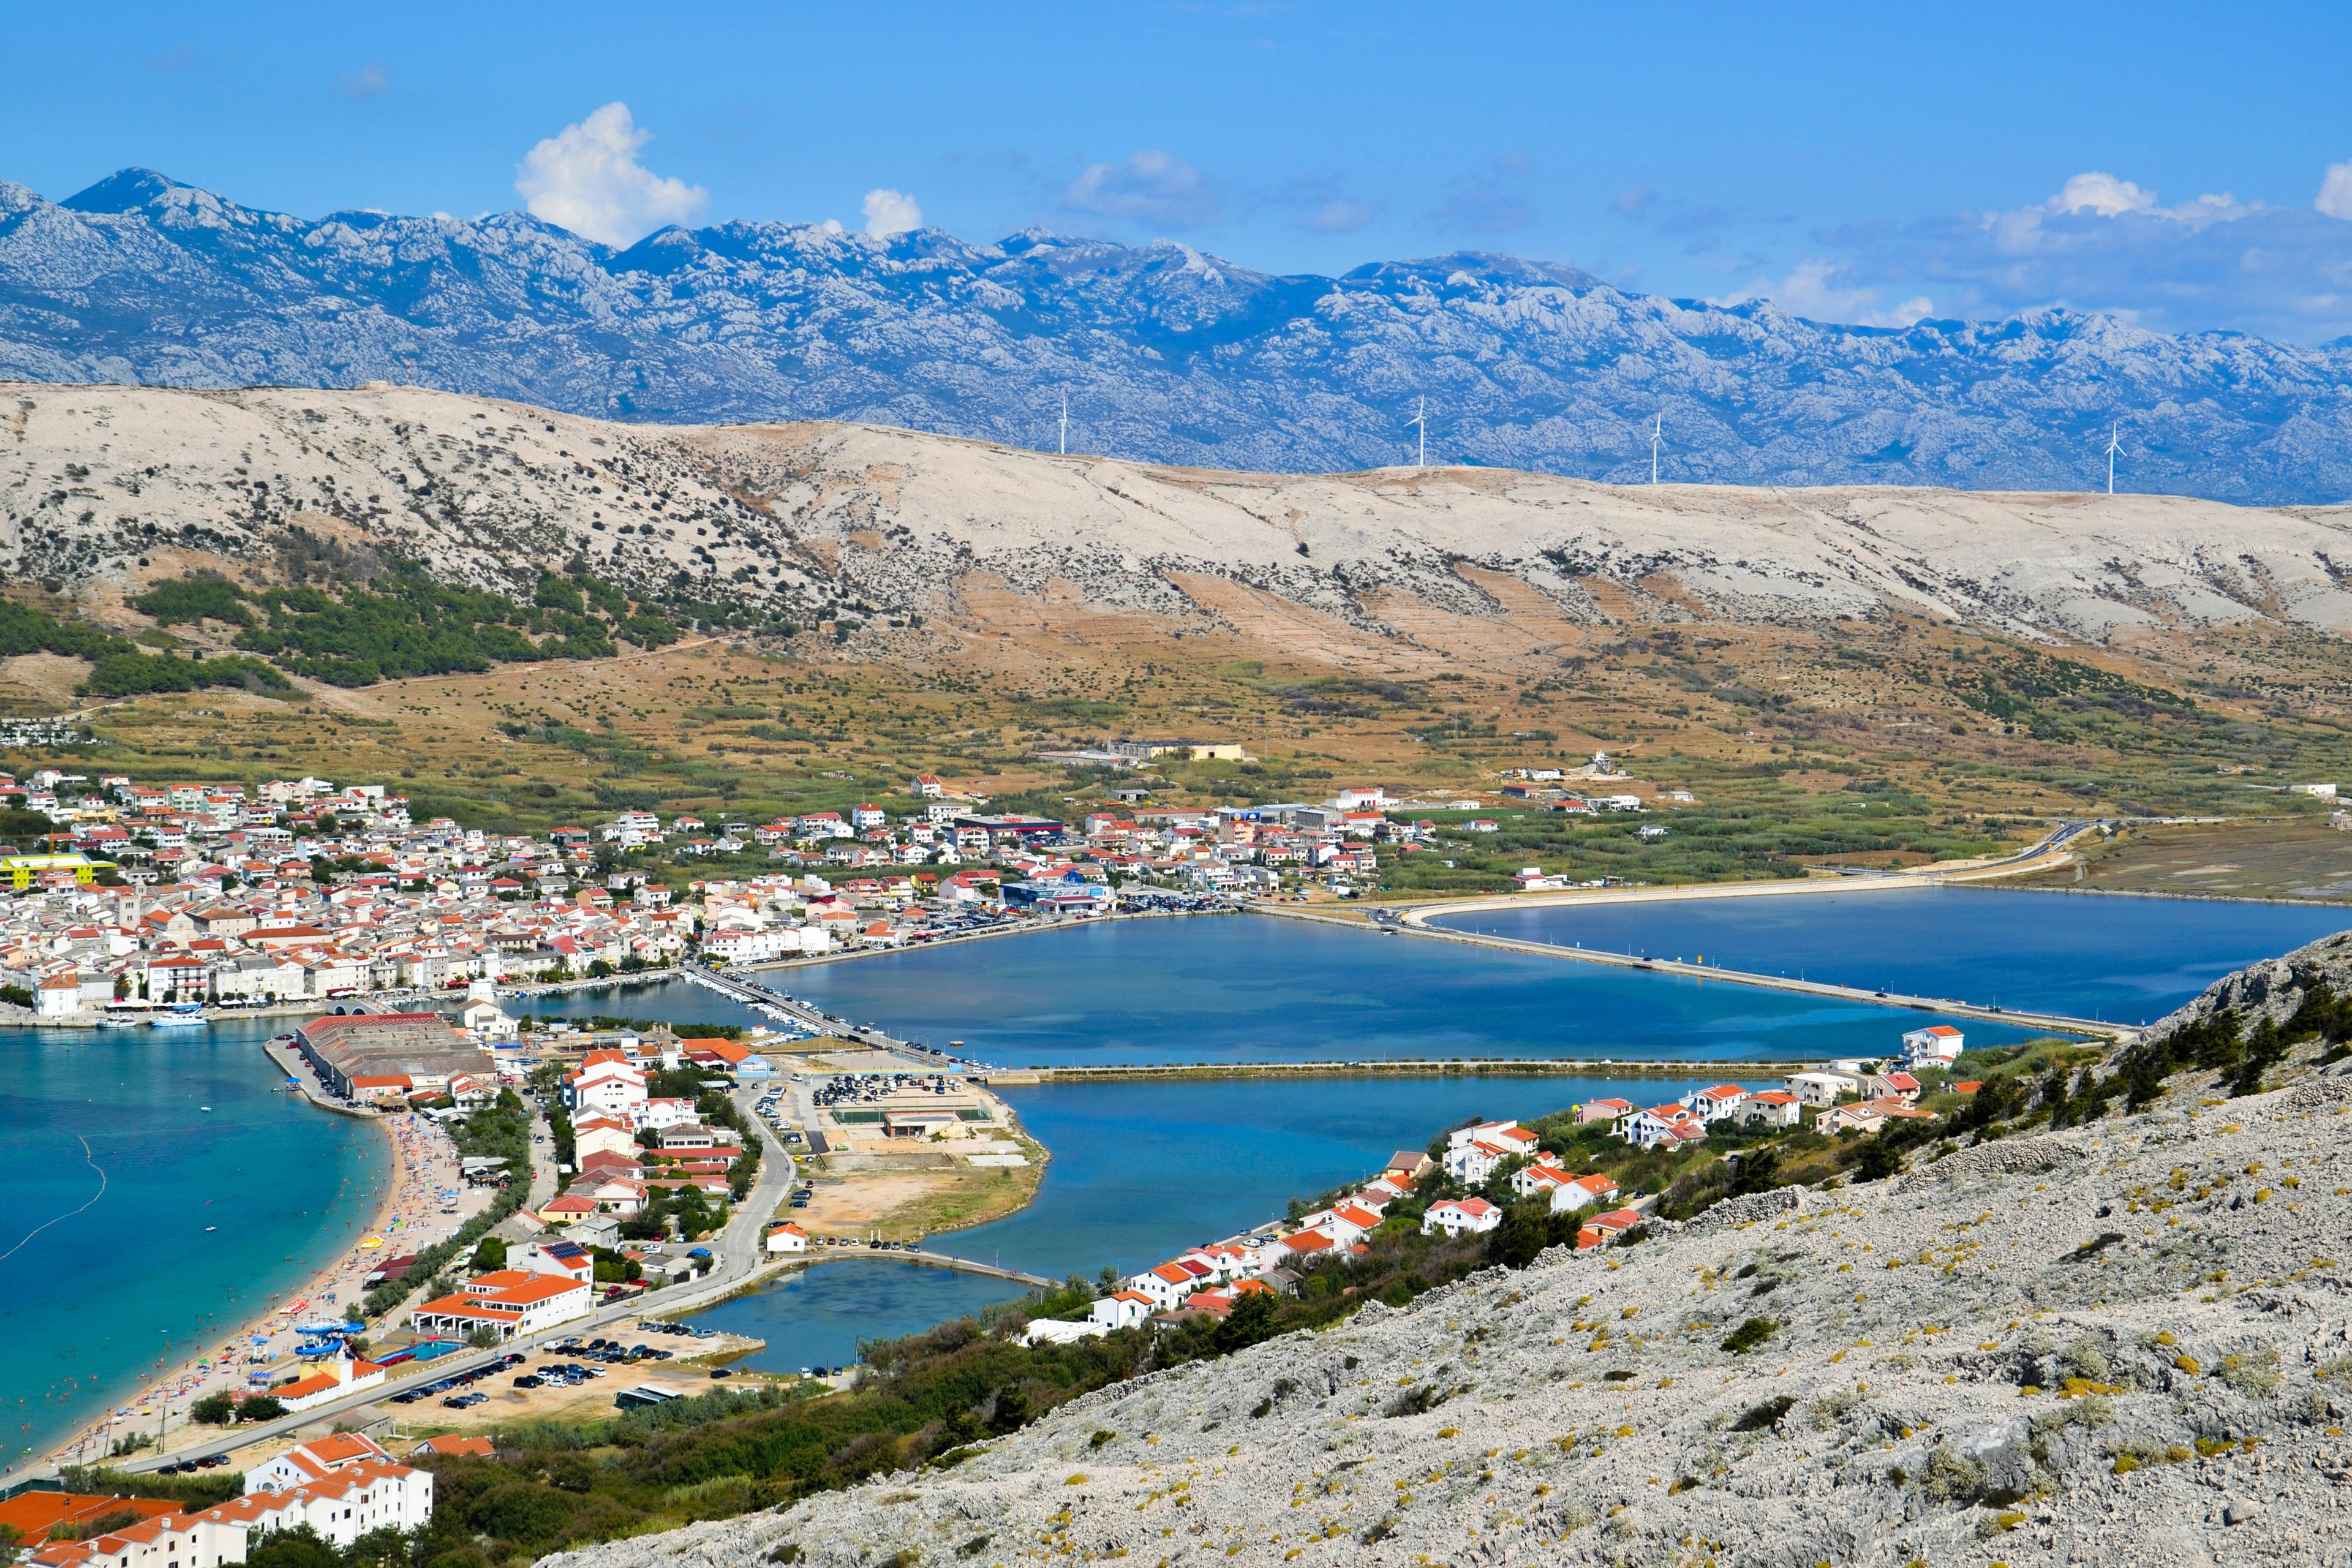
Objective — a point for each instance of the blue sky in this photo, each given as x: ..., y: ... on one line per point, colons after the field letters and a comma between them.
x: 2187, y: 168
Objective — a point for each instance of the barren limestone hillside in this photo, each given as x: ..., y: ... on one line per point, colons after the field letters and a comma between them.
x: 101, y: 486
x: 2123, y: 1344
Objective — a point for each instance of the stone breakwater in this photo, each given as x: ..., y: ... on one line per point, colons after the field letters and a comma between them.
x: 2125, y: 1344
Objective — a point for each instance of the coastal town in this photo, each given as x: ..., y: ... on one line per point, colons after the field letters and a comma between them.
x: 553, y: 1174
x: 155, y: 902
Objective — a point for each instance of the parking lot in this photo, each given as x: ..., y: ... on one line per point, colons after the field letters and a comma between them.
x: 574, y: 1378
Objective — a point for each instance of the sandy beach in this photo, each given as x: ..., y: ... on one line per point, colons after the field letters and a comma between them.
x: 407, y: 1218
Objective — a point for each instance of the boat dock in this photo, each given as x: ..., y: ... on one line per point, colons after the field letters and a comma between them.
x: 290, y: 1061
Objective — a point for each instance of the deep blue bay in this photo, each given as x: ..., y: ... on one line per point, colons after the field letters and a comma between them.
x: 99, y: 1300
x: 2122, y: 959
x: 1251, y: 988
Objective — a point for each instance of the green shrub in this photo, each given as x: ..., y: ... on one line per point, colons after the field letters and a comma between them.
x: 205, y: 597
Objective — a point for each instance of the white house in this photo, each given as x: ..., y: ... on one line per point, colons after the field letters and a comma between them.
x: 314, y: 1461
x: 1167, y: 1286
x: 1121, y: 1309
x: 556, y: 1259
x: 661, y: 1114
x: 787, y: 1237
x: 1598, y: 1189
x: 1457, y: 1216
x: 1772, y: 1108
x: 1472, y: 1164
x: 1663, y: 1124
x: 1507, y: 1135
x: 1821, y: 1088
x: 339, y: 1377
x: 1560, y: 1190
x: 1715, y: 1104
x: 609, y: 1082
x: 1934, y: 1045
x: 59, y: 996
x: 486, y: 1021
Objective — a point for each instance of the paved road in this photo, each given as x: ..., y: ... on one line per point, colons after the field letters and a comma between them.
x: 1950, y: 1007
x: 757, y: 993
x: 2049, y: 851
x: 739, y: 1248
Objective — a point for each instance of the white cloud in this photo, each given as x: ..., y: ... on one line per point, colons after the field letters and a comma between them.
x: 370, y: 80
x: 889, y: 212
x: 587, y: 179
x: 1341, y: 217
x: 2102, y: 193
x: 2335, y: 197
x: 1815, y: 290
x: 1147, y: 187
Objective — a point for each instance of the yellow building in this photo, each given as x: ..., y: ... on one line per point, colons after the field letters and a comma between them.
x: 22, y: 868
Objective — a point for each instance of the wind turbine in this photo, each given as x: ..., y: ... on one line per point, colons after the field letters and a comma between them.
x: 1420, y: 417
x: 2114, y: 445
x: 1657, y: 440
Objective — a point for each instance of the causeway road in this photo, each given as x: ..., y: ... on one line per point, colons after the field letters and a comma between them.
x: 2050, y: 851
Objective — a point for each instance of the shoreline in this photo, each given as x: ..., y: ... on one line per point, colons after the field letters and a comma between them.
x: 188, y: 1381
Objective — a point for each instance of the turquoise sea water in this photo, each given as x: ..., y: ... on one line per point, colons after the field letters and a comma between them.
x: 2125, y: 960
x: 1141, y: 1170
x: 99, y: 1294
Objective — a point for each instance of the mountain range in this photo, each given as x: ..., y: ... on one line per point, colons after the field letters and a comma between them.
x: 1164, y: 354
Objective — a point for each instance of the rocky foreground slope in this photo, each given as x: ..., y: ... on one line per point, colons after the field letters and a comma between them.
x: 2125, y: 1344
x: 1165, y: 354
x: 105, y: 486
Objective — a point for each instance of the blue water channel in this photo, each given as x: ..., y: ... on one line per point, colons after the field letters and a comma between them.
x: 140, y: 1228
x: 1141, y: 1170
x: 1247, y: 988
x: 2122, y: 960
